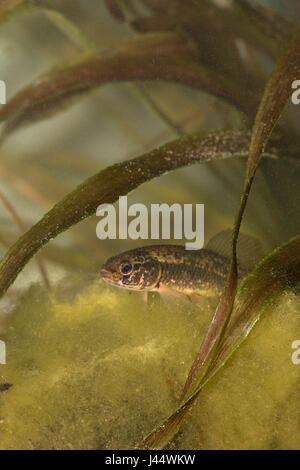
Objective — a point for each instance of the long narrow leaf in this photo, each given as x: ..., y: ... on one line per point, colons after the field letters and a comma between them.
x: 107, y: 185
x: 277, y: 273
x: 276, y: 95
x: 160, y: 56
x: 275, y: 98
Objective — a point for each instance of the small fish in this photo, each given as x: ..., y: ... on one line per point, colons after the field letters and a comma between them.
x: 171, y: 267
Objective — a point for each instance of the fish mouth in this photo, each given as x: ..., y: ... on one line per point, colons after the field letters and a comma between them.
x: 107, y: 276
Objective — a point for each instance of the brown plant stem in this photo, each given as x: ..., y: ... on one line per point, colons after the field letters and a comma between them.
x: 22, y: 227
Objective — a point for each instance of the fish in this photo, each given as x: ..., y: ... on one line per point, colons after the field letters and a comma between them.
x: 165, y: 268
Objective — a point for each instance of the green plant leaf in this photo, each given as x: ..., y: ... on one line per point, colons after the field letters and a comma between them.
x: 159, y: 56
x: 69, y: 29
x: 107, y: 185
x: 274, y: 275
x: 262, y: 27
x: 277, y: 92
x: 275, y: 98
x: 276, y: 95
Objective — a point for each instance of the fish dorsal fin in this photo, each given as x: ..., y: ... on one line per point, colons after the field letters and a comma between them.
x: 249, y: 249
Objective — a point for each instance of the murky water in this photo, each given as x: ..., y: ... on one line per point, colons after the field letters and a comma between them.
x: 92, y: 366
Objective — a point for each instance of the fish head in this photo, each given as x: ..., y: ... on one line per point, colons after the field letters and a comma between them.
x: 135, y: 269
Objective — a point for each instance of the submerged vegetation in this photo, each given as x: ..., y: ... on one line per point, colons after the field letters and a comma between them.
x: 81, y: 350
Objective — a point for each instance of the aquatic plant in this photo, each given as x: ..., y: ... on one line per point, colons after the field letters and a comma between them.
x: 173, y: 44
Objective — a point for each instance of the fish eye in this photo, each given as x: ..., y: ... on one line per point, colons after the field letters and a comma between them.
x: 125, y: 268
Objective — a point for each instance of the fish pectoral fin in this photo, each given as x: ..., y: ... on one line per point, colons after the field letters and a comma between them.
x: 152, y: 297
x: 145, y: 296
x: 172, y: 295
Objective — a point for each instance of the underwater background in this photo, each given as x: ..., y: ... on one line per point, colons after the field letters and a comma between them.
x: 92, y: 84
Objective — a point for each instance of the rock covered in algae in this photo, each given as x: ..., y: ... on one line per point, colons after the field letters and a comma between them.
x: 100, y: 369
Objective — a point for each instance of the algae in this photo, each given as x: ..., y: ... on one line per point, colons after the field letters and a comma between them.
x: 98, y: 369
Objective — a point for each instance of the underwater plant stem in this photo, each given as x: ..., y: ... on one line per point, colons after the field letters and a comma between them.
x: 21, y: 225
x: 273, y: 102
x: 159, y: 57
x: 223, y: 312
x: 275, y: 274
x: 107, y: 185
x: 275, y: 97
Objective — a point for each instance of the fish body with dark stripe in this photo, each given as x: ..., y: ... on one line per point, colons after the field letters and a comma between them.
x: 159, y: 267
